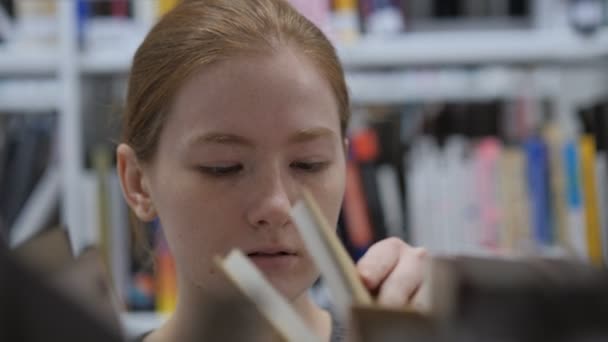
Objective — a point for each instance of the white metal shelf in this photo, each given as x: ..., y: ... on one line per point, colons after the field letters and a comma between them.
x: 586, y: 85
x: 474, y: 47
x: 107, y: 61
x: 29, y: 96
x: 450, y: 85
x: 34, y: 61
x: 433, y: 48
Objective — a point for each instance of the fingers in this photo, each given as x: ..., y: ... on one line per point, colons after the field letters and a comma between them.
x: 378, y: 262
x: 395, y: 271
x: 405, y: 279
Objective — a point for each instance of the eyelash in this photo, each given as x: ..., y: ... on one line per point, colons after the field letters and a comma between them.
x: 221, y: 171
x: 310, y: 167
x: 226, y: 171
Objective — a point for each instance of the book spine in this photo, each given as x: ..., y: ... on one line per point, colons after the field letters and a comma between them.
x: 459, y: 196
x: 345, y: 21
x: 594, y: 244
x: 507, y: 186
x: 574, y: 196
x: 538, y: 187
x: 555, y: 142
x: 164, y: 6
x: 83, y: 12
x: 368, y: 172
x: 166, y: 281
x: 119, y: 257
x: 517, y: 233
x: 488, y: 154
x: 101, y: 163
x: 390, y: 200
x: 120, y: 8
x: 358, y: 225
x: 601, y: 172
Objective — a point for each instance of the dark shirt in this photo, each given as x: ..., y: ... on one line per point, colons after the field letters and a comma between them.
x: 338, y: 331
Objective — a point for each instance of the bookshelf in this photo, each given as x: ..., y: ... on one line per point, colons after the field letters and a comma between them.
x: 456, y: 66
x: 43, y: 61
x: 474, y: 47
x: 105, y: 61
x: 483, y: 83
x: 428, y: 49
x: 16, y: 96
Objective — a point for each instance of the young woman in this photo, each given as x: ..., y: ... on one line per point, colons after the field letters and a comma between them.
x: 232, y: 105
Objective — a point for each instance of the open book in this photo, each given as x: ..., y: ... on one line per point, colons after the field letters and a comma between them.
x: 275, y: 308
x: 466, y: 297
x: 330, y: 257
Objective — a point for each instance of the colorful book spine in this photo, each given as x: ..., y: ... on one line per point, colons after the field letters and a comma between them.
x: 555, y: 142
x: 488, y: 155
x: 594, y: 242
x: 166, y: 280
x: 601, y: 172
x: 165, y: 6
x: 574, y: 194
x: 345, y: 21
x: 516, y: 228
x: 358, y: 224
x: 357, y: 214
x: 537, y: 172
x: 120, y: 8
x: 83, y: 10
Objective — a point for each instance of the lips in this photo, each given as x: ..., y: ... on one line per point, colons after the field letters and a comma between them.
x: 271, y: 251
x: 265, y: 254
x: 273, y: 259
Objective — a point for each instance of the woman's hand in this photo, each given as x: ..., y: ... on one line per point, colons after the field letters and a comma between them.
x: 394, y: 271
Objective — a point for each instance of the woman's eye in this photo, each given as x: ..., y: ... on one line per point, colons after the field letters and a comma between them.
x: 309, y: 166
x: 221, y: 171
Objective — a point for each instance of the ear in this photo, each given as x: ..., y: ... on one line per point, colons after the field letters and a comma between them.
x: 134, y: 183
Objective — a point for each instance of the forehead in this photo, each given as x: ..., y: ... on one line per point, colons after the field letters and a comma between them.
x: 278, y: 92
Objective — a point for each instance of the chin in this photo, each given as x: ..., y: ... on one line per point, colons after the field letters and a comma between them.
x: 293, y: 285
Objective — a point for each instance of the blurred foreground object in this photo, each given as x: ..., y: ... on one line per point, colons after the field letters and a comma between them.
x: 481, y: 299
x: 34, y: 300
x: 461, y: 299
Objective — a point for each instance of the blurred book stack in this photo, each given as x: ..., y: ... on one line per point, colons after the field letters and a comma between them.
x: 493, y: 178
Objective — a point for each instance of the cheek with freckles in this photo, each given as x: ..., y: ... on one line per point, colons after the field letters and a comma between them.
x: 197, y: 226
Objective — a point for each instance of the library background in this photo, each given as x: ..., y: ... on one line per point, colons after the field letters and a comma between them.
x: 480, y: 127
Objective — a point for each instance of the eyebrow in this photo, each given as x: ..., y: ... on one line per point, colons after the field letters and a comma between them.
x: 222, y: 138
x: 306, y: 135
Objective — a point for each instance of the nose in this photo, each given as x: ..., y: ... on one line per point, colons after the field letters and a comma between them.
x: 271, y: 203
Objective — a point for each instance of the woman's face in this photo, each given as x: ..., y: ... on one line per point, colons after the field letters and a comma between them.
x: 241, y: 138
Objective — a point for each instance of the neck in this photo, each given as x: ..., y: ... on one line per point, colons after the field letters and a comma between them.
x: 192, y: 316
x: 316, y: 318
